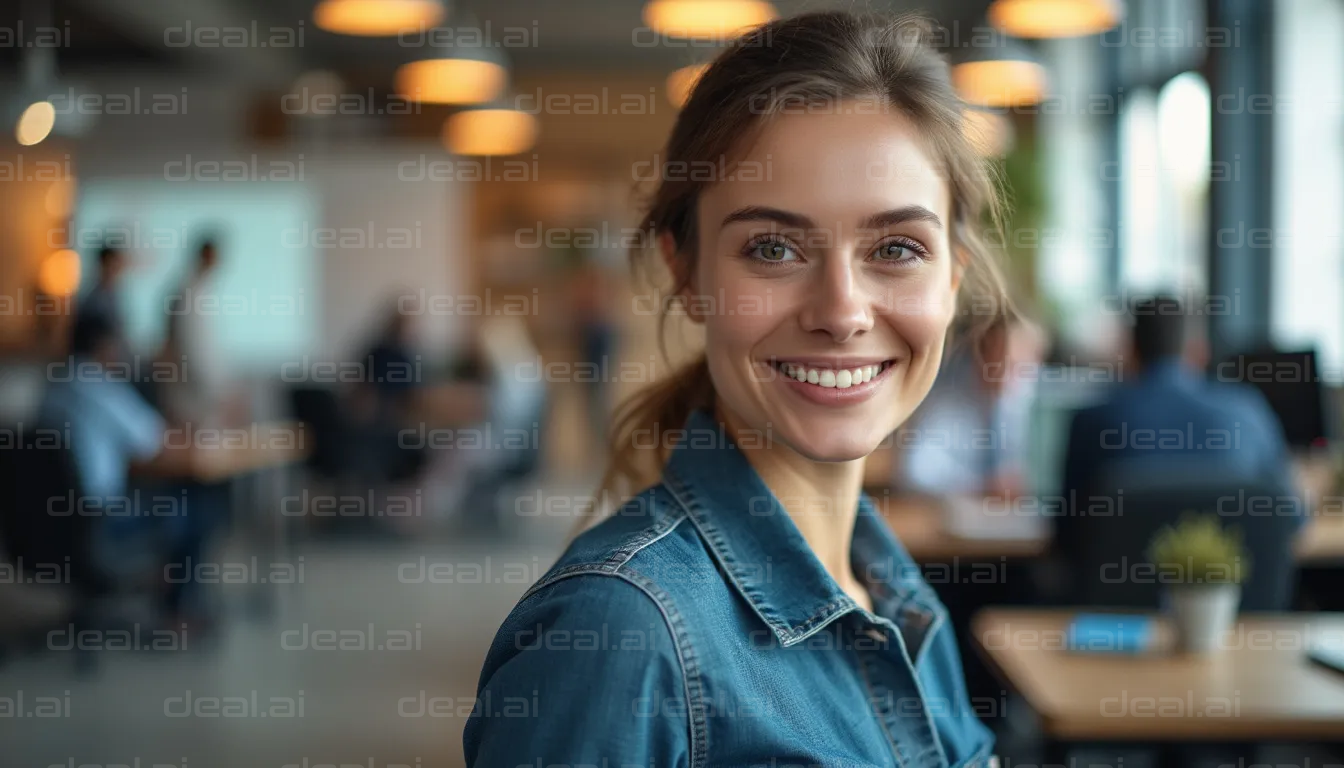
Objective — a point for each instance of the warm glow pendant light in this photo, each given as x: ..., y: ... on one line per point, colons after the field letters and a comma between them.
x: 706, y: 18
x: 490, y: 132
x: 35, y: 123
x: 58, y: 274
x: 451, y: 81
x: 1000, y: 82
x: 377, y: 18
x: 1055, y: 18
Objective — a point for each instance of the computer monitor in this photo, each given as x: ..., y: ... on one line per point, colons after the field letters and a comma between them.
x: 1291, y: 383
x: 1060, y: 392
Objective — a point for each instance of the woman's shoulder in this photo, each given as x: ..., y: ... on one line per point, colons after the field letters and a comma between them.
x: 608, y: 591
x: 647, y: 531
x: 647, y: 552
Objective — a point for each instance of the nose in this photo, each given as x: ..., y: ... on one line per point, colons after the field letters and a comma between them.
x: 837, y: 304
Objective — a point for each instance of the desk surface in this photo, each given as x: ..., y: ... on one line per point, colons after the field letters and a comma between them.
x: 214, y: 455
x: 918, y: 522
x: 1260, y: 686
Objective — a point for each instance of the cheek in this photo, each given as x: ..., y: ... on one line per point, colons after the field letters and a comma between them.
x: 738, y: 310
x: 920, y: 312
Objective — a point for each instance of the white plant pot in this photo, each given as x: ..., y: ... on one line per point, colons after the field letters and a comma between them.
x: 1201, y: 613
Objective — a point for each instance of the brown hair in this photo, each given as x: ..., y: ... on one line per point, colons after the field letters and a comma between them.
x: 800, y: 64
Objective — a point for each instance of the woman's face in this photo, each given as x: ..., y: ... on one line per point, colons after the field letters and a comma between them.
x: 825, y: 282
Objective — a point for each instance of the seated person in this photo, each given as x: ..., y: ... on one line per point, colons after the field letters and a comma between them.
x: 969, y: 435
x: 383, y: 402
x: 1163, y: 395
x: 112, y: 427
x: 110, y: 424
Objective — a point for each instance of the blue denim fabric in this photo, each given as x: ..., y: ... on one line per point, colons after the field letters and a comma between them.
x: 696, y: 628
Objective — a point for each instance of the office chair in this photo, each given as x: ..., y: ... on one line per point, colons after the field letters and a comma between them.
x: 1101, y: 552
x: 319, y: 408
x: 38, y: 479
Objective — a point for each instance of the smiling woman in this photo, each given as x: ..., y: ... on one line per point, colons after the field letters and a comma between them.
x: 857, y: 250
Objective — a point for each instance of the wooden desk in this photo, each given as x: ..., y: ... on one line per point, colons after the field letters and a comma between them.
x: 1322, y: 541
x: 1260, y: 687
x: 918, y: 523
x: 254, y: 448
x: 450, y: 405
x: 214, y: 455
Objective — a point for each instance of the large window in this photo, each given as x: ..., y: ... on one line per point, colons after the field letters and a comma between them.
x: 1164, y: 157
x: 1306, y: 244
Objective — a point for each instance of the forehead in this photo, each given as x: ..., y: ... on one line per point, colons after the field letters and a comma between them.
x: 835, y: 167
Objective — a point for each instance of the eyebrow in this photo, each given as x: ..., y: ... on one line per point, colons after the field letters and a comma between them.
x: 797, y: 220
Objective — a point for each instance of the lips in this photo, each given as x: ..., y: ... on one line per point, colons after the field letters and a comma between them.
x: 829, y: 377
x: 834, y: 382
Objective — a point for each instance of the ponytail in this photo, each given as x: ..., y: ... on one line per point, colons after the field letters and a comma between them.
x: 636, y: 444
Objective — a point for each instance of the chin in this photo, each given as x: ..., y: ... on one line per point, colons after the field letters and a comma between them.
x: 835, y: 440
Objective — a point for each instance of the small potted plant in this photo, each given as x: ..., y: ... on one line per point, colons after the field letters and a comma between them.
x: 1202, y: 565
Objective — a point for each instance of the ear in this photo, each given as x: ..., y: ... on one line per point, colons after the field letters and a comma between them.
x: 667, y: 250
x: 960, y: 264
x: 676, y: 266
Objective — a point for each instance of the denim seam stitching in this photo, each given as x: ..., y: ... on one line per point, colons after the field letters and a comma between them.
x: 685, y: 655
x: 873, y: 707
x: 690, y: 669
x: 685, y: 496
x: 652, y: 537
x: 788, y: 635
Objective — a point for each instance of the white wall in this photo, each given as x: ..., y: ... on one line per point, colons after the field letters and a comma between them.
x: 366, y: 198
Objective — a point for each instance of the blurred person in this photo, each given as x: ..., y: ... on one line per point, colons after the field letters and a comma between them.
x: 203, y: 393
x: 511, y: 418
x: 202, y: 396
x: 1165, y: 392
x: 112, y: 428
x: 969, y: 436
x: 102, y: 299
x: 393, y: 372
x: 111, y: 425
x: 590, y: 292
x: 741, y: 568
x: 384, y: 400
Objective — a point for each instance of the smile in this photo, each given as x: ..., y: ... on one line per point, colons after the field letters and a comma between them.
x: 841, y: 378
x: 831, y: 383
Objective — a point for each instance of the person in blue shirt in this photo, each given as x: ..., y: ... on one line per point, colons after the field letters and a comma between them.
x: 1165, y: 408
x: 112, y: 428
x: 736, y: 600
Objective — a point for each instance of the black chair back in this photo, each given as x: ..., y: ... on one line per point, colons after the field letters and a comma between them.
x: 320, y: 410
x: 1106, y: 539
x: 43, y: 524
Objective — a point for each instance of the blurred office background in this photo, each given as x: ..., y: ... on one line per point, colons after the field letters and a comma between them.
x: 365, y: 261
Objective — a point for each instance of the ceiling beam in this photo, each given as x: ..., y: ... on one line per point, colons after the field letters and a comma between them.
x: 213, y: 34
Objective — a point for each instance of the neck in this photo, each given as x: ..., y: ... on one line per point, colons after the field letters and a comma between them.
x: 822, y: 499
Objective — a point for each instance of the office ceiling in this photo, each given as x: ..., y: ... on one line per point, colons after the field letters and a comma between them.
x: 105, y: 36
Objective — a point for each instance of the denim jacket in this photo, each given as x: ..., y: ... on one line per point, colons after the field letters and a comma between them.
x: 695, y: 627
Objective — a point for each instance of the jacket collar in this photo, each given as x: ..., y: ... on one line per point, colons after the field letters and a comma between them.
x: 1169, y: 370
x: 766, y: 557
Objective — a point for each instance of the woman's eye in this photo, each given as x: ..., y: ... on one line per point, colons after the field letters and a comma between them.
x: 774, y: 251
x: 896, y: 251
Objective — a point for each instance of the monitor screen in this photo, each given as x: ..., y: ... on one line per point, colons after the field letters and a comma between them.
x: 1291, y: 383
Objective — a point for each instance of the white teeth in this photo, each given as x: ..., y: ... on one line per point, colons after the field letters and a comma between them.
x: 830, y: 378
